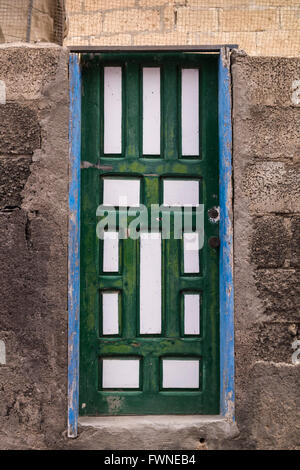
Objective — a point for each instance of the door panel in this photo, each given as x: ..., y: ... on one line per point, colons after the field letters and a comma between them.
x: 149, y: 305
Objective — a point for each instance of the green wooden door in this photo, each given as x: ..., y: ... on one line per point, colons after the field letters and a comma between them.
x: 172, y: 368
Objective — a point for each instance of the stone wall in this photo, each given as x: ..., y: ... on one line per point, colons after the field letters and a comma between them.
x: 32, y: 21
x: 260, y: 27
x: 33, y: 254
x: 266, y: 126
x: 33, y: 262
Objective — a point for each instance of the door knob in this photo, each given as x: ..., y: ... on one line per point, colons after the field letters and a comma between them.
x: 214, y: 214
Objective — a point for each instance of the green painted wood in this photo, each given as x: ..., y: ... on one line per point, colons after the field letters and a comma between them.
x: 131, y: 97
x: 171, y: 266
x: 150, y: 349
x: 170, y: 110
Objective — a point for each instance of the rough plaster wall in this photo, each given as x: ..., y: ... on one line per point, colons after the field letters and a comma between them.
x: 266, y: 125
x: 260, y: 27
x: 33, y: 254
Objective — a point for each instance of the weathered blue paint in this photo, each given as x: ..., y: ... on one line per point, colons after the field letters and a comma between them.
x: 74, y: 244
x: 226, y: 236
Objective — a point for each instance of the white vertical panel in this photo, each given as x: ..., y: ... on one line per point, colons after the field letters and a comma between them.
x: 181, y: 193
x: 2, y: 92
x: 191, y: 314
x: 110, y: 313
x: 150, y: 283
x: 111, y: 252
x: 112, y: 110
x: 121, y: 192
x: 180, y: 373
x: 120, y: 373
x: 191, y: 252
x: 2, y: 353
x: 190, y: 111
x: 151, y: 111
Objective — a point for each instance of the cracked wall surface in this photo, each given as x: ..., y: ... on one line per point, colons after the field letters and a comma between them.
x: 33, y: 262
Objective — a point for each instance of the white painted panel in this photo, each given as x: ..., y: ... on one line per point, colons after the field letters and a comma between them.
x: 2, y: 353
x: 150, y: 283
x: 190, y: 112
x: 120, y: 373
x: 2, y: 92
x: 110, y: 313
x: 180, y: 373
x: 191, y: 252
x: 112, y: 110
x: 111, y: 252
x: 120, y: 192
x: 151, y: 111
x: 191, y: 314
x: 184, y: 193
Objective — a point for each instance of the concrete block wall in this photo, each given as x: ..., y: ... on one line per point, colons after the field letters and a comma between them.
x: 266, y: 150
x: 260, y: 27
x: 34, y: 114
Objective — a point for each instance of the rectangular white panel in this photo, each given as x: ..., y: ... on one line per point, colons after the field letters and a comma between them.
x: 180, y: 373
x: 110, y: 313
x: 191, y: 314
x: 190, y: 112
x: 120, y: 192
x: 112, y: 110
x: 191, y: 252
x: 184, y: 193
x: 151, y: 111
x: 111, y: 252
x: 120, y: 373
x: 150, y: 283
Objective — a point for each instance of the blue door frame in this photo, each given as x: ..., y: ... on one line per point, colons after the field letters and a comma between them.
x: 226, y: 237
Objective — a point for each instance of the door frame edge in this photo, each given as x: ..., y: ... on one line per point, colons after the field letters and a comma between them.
x: 226, y: 288
x: 74, y: 242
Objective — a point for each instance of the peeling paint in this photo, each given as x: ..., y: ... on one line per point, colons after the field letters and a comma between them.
x: 230, y: 405
x: 85, y: 165
x: 226, y: 236
x: 114, y: 404
x: 74, y: 245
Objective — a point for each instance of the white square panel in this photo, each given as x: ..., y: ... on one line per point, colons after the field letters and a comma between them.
x: 181, y: 193
x: 120, y: 373
x: 180, y: 373
x: 120, y: 192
